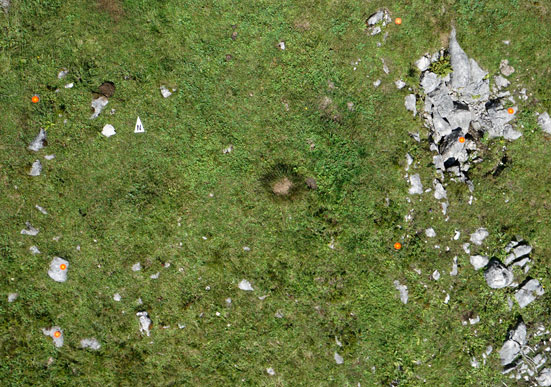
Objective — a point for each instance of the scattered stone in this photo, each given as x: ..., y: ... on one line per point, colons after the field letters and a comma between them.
x: 278, y: 314
x: 436, y: 275
x: 475, y: 320
x: 544, y: 121
x: 34, y: 250
x: 41, y: 209
x: 505, y: 68
x: 12, y: 297
x: 338, y: 358
x: 246, y: 248
x: 117, y: 297
x: 228, y: 149
x: 528, y: 292
x: 39, y: 142
x: 400, y: 84
x: 58, y: 341
x: 154, y: 276
x: 245, y: 285
x: 511, y: 348
x: 430, y: 233
x: 108, y: 130
x: 281, y: 45
x: 98, y: 104
x: 479, y: 235
x: 270, y: 371
x: 377, y: 83
x: 29, y: 230
x: 403, y: 289
x: 62, y: 74
x: 501, y: 82
x: 378, y: 20
x: 454, y: 267
x: 49, y: 157
x: 385, y: 67
x: 136, y: 267
x: 36, y: 168
x: 439, y: 190
x: 409, y: 161
x: 145, y: 322
x: 479, y: 261
x: 416, y: 186
x: 55, y: 272
x: 457, y: 235
x: 69, y: 85
x: 466, y: 248
x: 350, y: 106
x: 165, y: 92
x: 506, y: 42
x: 410, y: 104
x: 497, y: 276
x: 91, y: 343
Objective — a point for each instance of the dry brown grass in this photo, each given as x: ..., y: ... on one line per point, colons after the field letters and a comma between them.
x: 112, y: 7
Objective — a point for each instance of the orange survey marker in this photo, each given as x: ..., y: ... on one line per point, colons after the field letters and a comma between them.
x: 35, y: 99
x: 63, y: 266
x: 462, y: 139
x: 398, y: 20
x: 57, y: 334
x: 397, y: 246
x: 510, y: 110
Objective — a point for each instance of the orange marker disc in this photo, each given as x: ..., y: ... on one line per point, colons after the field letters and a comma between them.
x: 57, y: 334
x: 398, y: 20
x: 397, y: 245
x: 510, y: 110
x: 63, y: 266
x: 35, y: 99
x: 462, y: 139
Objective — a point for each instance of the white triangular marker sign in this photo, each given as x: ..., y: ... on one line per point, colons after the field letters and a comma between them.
x: 139, y: 127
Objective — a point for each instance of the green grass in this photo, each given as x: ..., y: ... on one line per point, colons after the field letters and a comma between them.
x: 121, y: 198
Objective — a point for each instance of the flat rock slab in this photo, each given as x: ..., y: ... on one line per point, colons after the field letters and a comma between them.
x: 29, y: 230
x: 409, y: 103
x: 58, y: 272
x: 108, y: 130
x: 39, y: 142
x: 91, y: 343
x: 245, y: 285
x: 403, y: 289
x: 544, y: 121
x: 36, y: 168
x: 479, y: 261
x: 98, y: 104
x: 528, y: 292
x: 416, y: 186
x: 57, y: 338
x: 479, y: 235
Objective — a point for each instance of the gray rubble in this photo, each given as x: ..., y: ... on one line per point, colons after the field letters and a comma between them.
x: 545, y: 122
x: 460, y: 106
x: 403, y: 289
x: 416, y: 186
x: 479, y: 261
x: 36, y: 168
x: 98, y: 104
x: 479, y: 235
x: 505, y: 68
x: 245, y: 285
x: 91, y: 343
x: 29, y: 230
x: 512, y: 346
x: 145, y: 322
x: 409, y: 103
x: 377, y: 21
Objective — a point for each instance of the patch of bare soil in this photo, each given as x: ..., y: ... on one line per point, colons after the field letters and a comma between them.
x: 282, y: 186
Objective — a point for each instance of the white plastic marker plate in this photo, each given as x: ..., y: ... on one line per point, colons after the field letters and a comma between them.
x: 139, y: 127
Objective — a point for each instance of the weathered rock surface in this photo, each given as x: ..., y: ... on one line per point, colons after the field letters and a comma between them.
x: 497, y: 276
x: 528, y: 292
x: 544, y: 121
x: 39, y: 142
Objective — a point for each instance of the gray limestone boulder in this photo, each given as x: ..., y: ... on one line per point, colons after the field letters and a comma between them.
x: 410, y: 104
x: 459, y: 62
x: 36, y: 168
x: 545, y: 122
x: 479, y: 235
x: 479, y: 261
x: 416, y: 186
x: 58, y: 269
x: 56, y: 334
x: 91, y: 343
x: 497, y: 276
x: 544, y: 378
x: 39, y: 142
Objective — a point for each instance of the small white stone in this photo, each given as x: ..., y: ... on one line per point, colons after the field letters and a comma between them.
x: 245, y: 285
x: 69, y: 85
x: 117, y: 297
x: 34, y: 250
x: 154, y: 276
x: 12, y: 297
x: 338, y: 358
x: 90, y: 343
x: 436, y: 275
x: 377, y: 83
x: 108, y: 130
x: 49, y: 157
x: 400, y: 84
x: 270, y: 371
x: 430, y: 233
x: 246, y: 248
x: 165, y: 92
x: 136, y: 267
x: 281, y: 45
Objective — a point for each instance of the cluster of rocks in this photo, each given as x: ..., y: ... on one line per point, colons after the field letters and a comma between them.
x: 459, y: 109
x: 377, y: 21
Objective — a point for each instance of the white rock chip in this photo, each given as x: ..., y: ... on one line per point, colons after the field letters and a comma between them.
x: 528, y: 292
x: 136, y: 267
x: 34, y: 250
x: 416, y: 186
x: 108, y: 130
x: 479, y: 235
x: 457, y: 235
x: 117, y: 297
x: 39, y: 142
x: 155, y: 276
x: 165, y: 92
x: 281, y: 45
x: 245, y: 285
x: 58, y: 341
x: 62, y: 74
x: 439, y: 190
x: 501, y: 82
x: 385, y: 67
x: 55, y: 272
x: 36, y: 168
x: 436, y: 275
x: 429, y: 232
x: 479, y: 261
x: 544, y: 121
x: 403, y: 289
x: 49, y: 157
x: 91, y: 343
x: 29, y: 230
x: 145, y: 322
x: 511, y: 348
x: 454, y: 267
x: 505, y: 68
x: 12, y: 297
x: 98, y: 104
x: 228, y: 149
x: 410, y: 104
x: 338, y: 358
x: 41, y: 209
x: 400, y: 84
x: 544, y: 378
x: 270, y: 371
x: 377, y: 83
